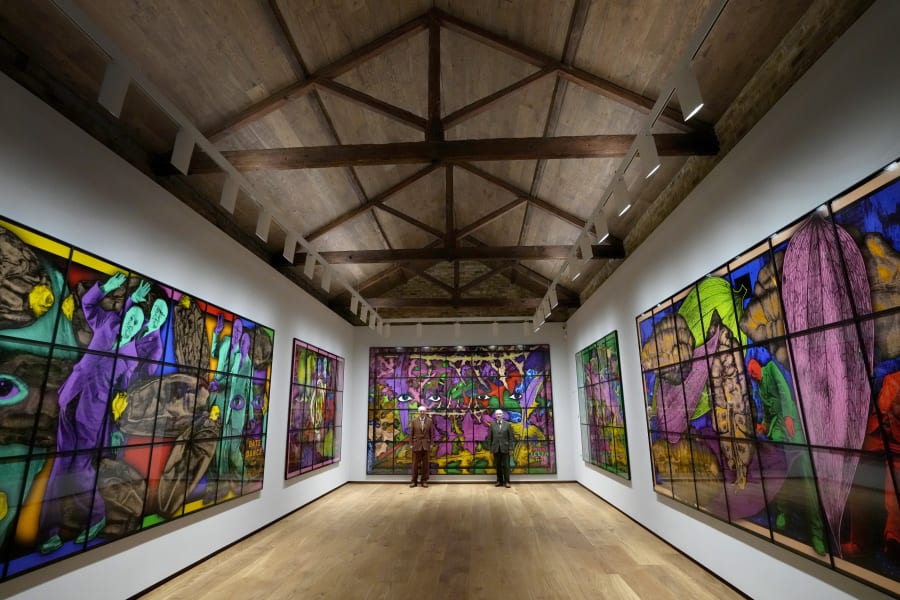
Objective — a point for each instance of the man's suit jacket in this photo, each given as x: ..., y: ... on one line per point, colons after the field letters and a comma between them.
x: 500, y: 437
x: 421, y: 435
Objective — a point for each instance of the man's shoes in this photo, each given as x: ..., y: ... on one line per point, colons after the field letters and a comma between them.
x: 412, y: 485
x: 424, y: 484
x: 499, y: 484
x: 506, y: 484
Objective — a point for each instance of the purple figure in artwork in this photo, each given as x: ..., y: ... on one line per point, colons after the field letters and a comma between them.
x: 84, y: 401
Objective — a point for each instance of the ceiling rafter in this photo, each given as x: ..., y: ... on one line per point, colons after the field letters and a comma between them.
x: 433, y: 20
x: 509, y: 303
x: 479, y: 253
x: 485, y: 276
x: 321, y: 111
x: 381, y: 107
x: 573, y: 37
x: 479, y: 106
x: 411, y: 220
x: 543, y: 204
x: 490, y: 217
x: 581, y: 77
x: 299, y: 88
x: 473, y: 150
x: 435, y: 129
x: 373, y: 202
x: 431, y: 279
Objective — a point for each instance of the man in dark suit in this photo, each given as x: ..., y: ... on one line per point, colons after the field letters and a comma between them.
x: 421, y: 436
x: 500, y: 440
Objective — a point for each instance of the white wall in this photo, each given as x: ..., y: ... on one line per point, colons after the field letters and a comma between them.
x: 564, y: 411
x: 837, y: 125
x: 58, y: 180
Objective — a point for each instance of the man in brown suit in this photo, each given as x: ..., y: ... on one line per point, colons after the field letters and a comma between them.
x: 421, y: 436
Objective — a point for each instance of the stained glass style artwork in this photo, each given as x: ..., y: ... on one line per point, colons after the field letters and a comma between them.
x: 314, y: 417
x: 772, y: 387
x: 601, y: 406
x: 124, y: 402
x: 461, y: 387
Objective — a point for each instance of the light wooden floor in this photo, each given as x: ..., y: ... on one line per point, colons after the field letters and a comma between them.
x: 460, y: 541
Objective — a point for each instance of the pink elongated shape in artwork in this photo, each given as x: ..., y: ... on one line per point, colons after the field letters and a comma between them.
x: 828, y: 366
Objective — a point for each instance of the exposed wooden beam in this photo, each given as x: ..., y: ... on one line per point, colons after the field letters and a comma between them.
x: 370, y: 102
x: 481, y: 253
x: 588, y: 80
x: 435, y: 129
x: 511, y: 303
x: 490, y: 217
x: 412, y: 221
x: 372, y: 203
x: 278, y: 99
x: 449, y: 226
x: 576, y: 28
x: 582, y: 146
x: 433, y: 280
x: 479, y: 106
x: 484, y: 277
x: 321, y: 112
x: 543, y: 204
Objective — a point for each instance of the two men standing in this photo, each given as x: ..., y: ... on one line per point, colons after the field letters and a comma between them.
x: 500, y: 440
x: 421, y: 437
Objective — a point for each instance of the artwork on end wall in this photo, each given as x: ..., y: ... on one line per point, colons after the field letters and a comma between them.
x: 124, y: 403
x: 601, y: 406
x: 461, y: 387
x: 314, y: 417
x: 773, y: 387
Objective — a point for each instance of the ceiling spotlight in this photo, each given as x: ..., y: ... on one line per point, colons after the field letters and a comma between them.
x: 600, y: 226
x: 229, y: 194
x: 326, y: 279
x: 113, y: 89
x: 688, y: 92
x: 290, y: 247
x: 553, y: 298
x: 418, y: 330
x: 622, y: 195
x: 310, y: 267
x: 354, y: 304
x: 182, y: 150
x: 649, y: 156
x: 263, y: 222
x: 584, y: 244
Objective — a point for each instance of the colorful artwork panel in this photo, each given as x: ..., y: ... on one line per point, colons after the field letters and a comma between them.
x: 601, y: 406
x: 124, y: 402
x: 314, y: 420
x: 772, y: 387
x: 460, y: 387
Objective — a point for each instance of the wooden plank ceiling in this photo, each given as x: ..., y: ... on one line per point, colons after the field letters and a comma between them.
x: 442, y: 156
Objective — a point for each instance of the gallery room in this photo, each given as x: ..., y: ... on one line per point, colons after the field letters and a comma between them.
x: 552, y: 299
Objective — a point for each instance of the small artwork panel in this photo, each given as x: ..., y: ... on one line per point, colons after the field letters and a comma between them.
x: 124, y: 402
x: 460, y: 388
x: 601, y: 406
x: 772, y: 387
x: 314, y: 423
